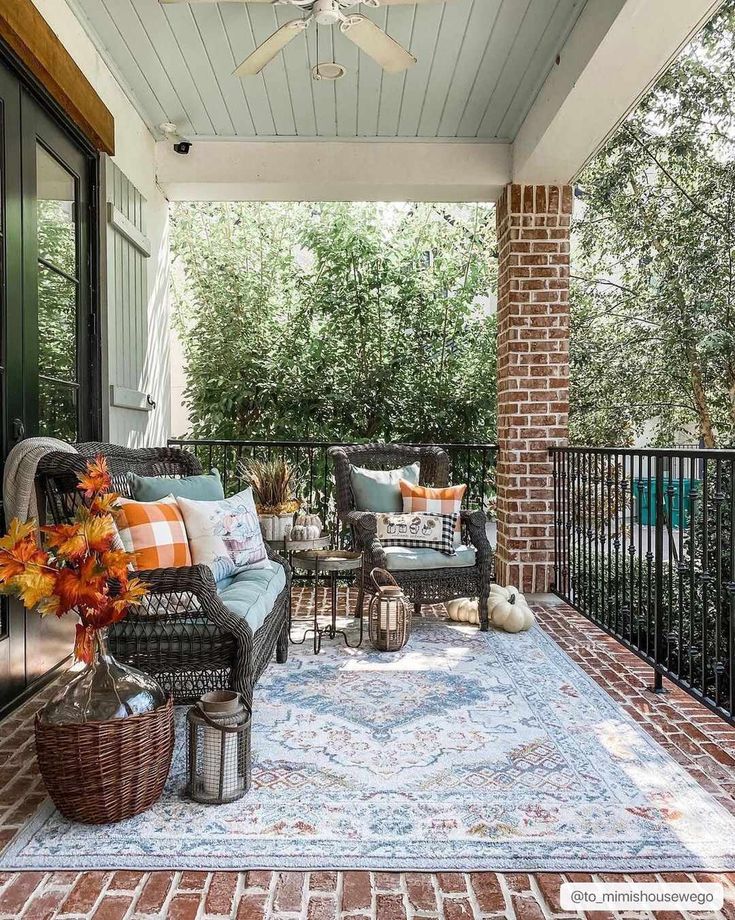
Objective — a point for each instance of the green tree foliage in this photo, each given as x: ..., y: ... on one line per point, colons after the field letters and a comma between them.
x: 337, y: 321
x: 653, y: 313
x: 57, y: 319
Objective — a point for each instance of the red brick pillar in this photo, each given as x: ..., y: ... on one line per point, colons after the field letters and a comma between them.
x: 533, y: 375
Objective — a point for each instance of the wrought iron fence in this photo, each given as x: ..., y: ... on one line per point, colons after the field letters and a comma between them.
x: 473, y: 464
x: 645, y: 548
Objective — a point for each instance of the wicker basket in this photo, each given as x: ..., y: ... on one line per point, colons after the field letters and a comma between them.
x: 101, y: 772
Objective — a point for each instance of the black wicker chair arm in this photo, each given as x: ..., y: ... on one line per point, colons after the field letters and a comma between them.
x: 367, y: 520
x: 194, y: 579
x: 475, y: 523
x: 364, y: 526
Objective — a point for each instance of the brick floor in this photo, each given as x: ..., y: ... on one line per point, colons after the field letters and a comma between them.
x: 696, y: 738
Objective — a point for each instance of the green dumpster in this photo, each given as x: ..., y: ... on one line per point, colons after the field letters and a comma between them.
x: 645, y: 493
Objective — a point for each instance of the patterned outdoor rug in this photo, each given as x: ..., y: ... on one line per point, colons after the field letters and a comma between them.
x: 465, y: 751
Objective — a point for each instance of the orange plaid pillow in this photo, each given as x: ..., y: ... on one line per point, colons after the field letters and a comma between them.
x: 155, y: 532
x: 438, y: 501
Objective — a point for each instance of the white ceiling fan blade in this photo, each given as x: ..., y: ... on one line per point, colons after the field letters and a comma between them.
x: 265, y: 53
x: 408, y: 2
x: 218, y: 1
x: 371, y: 39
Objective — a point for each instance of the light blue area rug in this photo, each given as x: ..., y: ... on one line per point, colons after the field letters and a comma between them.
x: 465, y: 751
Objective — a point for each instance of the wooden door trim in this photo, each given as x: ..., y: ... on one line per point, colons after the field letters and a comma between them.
x: 33, y: 42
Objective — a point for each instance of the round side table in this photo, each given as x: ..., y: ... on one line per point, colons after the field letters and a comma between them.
x: 329, y: 562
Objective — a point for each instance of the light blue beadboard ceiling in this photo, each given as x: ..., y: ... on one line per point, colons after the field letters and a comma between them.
x: 480, y: 66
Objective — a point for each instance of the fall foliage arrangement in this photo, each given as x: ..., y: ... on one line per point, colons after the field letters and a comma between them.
x: 78, y: 566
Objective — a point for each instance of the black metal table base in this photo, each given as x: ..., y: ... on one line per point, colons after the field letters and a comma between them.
x: 329, y: 631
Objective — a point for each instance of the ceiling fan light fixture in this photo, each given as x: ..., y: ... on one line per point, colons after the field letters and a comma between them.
x: 328, y: 70
x: 326, y: 12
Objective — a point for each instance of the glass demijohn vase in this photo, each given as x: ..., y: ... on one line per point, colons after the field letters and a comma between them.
x: 105, y: 689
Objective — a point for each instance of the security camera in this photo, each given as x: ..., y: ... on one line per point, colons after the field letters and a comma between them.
x: 171, y: 133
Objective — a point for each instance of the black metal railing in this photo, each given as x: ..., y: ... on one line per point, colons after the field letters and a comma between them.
x: 473, y: 464
x: 645, y: 548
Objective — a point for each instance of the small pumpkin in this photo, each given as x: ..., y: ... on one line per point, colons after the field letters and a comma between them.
x: 505, y: 591
x: 313, y: 520
x: 463, y: 610
x: 306, y: 527
x: 508, y: 610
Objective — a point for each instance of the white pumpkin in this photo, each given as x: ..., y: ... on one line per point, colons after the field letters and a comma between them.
x: 452, y: 607
x: 474, y: 613
x: 508, y: 610
x: 463, y: 610
x: 306, y: 527
x: 313, y: 520
x: 507, y: 591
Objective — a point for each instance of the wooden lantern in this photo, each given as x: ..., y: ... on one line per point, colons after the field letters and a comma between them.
x: 389, y: 614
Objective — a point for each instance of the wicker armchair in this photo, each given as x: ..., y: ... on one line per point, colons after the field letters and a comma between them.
x: 422, y: 586
x: 183, y: 635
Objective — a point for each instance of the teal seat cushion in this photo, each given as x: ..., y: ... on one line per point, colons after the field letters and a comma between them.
x: 206, y: 488
x: 378, y: 490
x: 406, y: 559
x: 251, y: 593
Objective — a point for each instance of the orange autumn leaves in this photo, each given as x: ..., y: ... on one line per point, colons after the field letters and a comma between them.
x: 78, y: 567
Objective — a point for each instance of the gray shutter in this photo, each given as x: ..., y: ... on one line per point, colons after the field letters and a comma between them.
x: 125, y: 308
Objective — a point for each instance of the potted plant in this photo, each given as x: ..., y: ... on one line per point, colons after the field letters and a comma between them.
x: 271, y: 482
x: 104, y: 741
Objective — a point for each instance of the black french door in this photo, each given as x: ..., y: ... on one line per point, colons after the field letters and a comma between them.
x: 48, y: 356
x: 12, y: 619
x: 56, y: 178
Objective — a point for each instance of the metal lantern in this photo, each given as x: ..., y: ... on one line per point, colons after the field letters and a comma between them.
x: 389, y: 614
x: 218, y: 748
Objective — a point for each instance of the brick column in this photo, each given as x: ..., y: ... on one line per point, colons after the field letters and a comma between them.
x: 533, y: 375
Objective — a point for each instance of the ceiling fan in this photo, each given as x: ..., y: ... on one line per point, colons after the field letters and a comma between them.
x: 366, y: 34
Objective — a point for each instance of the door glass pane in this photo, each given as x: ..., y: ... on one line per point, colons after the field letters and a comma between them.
x: 56, y: 213
x: 57, y: 409
x: 57, y: 325
x: 58, y: 299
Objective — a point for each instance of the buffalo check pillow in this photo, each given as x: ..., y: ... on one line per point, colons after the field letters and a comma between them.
x: 440, y: 501
x: 155, y: 532
x: 423, y: 530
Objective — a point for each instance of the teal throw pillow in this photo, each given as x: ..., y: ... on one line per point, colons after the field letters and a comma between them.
x: 378, y: 490
x: 205, y: 488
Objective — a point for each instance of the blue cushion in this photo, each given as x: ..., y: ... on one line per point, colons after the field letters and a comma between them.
x: 404, y: 558
x: 251, y: 594
x: 378, y: 490
x: 206, y: 488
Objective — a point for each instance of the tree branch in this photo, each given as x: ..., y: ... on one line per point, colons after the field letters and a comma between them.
x: 695, y: 204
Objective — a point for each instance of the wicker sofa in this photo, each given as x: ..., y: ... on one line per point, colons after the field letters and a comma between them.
x: 193, y: 635
x: 468, y: 574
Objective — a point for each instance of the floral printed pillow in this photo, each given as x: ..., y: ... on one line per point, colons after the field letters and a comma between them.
x: 225, y: 534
